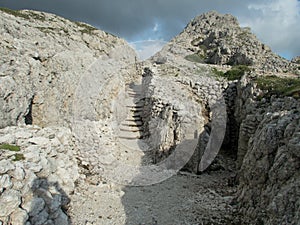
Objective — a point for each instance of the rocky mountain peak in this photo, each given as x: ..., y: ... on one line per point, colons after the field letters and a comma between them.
x: 218, y: 39
x: 213, y: 18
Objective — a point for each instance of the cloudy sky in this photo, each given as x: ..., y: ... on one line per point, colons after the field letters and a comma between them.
x: 275, y: 22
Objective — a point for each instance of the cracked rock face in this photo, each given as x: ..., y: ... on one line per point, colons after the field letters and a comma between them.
x: 268, y: 157
x: 43, y: 58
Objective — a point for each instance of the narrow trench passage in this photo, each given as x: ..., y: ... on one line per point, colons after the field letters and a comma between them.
x: 184, y: 198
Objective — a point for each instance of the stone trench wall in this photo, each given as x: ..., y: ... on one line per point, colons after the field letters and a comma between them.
x: 36, y: 183
x: 163, y: 118
x: 264, y: 136
x: 209, y: 90
x: 268, y: 156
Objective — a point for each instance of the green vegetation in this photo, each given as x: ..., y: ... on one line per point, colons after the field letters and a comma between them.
x: 13, y: 148
x: 279, y: 86
x: 52, y: 30
x: 16, y: 13
x: 9, y: 147
x: 24, y: 15
x: 46, y: 30
x: 87, y: 29
x: 235, y: 73
x: 195, y: 58
x: 18, y: 157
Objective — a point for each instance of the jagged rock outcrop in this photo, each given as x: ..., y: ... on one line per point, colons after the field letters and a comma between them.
x: 43, y: 59
x: 268, y: 156
x: 296, y: 60
x: 218, y: 39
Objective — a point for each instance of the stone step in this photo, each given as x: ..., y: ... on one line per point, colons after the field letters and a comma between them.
x: 131, y: 129
x: 134, y: 114
x: 135, y: 96
x: 135, y: 105
x: 134, y: 144
x: 134, y: 109
x: 134, y: 88
x: 134, y: 91
x: 132, y: 123
x: 136, y: 119
x: 130, y: 135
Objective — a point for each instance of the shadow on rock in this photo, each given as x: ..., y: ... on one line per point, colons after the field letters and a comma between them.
x: 49, y: 204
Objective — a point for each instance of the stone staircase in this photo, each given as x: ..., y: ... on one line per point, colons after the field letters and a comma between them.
x: 131, y: 129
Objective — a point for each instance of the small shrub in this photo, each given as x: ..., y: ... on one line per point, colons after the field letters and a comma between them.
x: 9, y: 147
x: 235, y: 73
x: 218, y: 73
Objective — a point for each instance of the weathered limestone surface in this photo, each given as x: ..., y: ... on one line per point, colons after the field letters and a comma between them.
x: 43, y: 60
x: 268, y: 156
x: 35, y: 188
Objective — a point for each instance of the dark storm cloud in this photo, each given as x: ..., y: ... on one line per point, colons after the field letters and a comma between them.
x: 163, y: 19
x: 127, y: 18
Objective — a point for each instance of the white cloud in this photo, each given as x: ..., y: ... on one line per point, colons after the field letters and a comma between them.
x: 147, y: 48
x: 155, y: 28
x: 276, y: 23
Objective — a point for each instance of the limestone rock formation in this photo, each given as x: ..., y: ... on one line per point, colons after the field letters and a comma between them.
x: 263, y: 124
x: 218, y: 39
x: 268, y: 156
x: 43, y: 59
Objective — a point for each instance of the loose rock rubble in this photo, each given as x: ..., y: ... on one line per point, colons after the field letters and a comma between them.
x: 35, y: 189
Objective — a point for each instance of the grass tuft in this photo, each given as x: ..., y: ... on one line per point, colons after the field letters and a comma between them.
x: 18, y: 157
x: 235, y: 73
x: 24, y: 15
x: 279, y: 86
x: 87, y: 29
x: 9, y: 147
